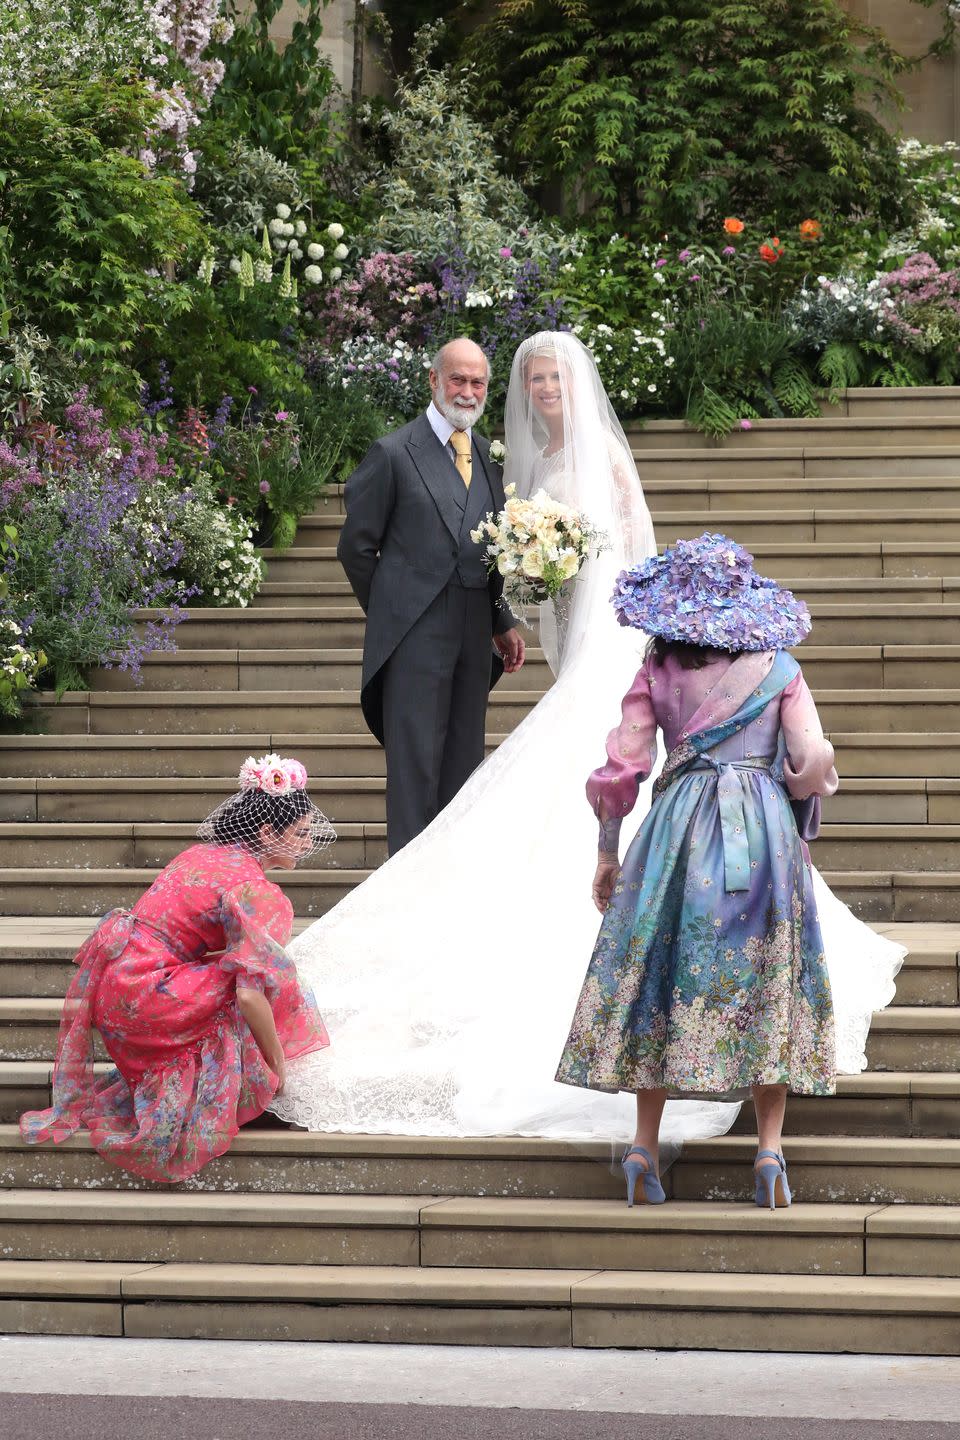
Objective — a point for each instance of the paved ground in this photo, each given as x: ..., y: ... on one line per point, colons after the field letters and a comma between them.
x: 74, y: 1389
x: 51, y: 1417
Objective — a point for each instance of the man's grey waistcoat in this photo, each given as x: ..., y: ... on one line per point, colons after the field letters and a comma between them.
x: 406, y: 535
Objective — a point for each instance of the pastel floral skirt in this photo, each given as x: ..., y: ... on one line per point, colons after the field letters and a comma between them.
x: 700, y: 990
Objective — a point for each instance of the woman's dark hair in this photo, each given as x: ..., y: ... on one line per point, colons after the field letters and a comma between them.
x: 689, y: 657
x: 254, y: 809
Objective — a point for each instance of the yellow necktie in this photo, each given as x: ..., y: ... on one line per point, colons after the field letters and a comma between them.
x: 462, y: 444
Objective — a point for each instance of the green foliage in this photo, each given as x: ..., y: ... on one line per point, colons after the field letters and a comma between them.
x: 664, y: 114
x: 90, y: 232
x: 732, y: 365
x: 279, y: 98
x: 445, y: 192
x: 238, y: 186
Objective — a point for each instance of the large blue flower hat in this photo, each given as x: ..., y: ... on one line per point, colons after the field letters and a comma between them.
x: 706, y: 592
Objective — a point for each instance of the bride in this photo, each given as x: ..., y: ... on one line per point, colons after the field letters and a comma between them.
x: 447, y: 978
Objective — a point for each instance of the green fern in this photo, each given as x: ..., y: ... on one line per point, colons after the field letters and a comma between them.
x: 710, y: 412
x: 794, y: 389
x: 842, y: 365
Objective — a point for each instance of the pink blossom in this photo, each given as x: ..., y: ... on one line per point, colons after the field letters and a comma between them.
x: 505, y: 252
x: 659, y: 264
x: 296, y: 774
x: 684, y: 255
x: 282, y: 415
x: 746, y: 424
x: 264, y: 487
x: 729, y: 250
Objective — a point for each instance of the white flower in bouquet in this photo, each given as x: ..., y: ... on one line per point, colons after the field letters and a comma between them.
x: 537, y: 545
x: 498, y: 452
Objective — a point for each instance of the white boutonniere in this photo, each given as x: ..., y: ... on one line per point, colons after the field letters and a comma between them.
x: 498, y: 452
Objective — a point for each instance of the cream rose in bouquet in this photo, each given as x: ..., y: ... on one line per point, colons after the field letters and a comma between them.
x: 537, y: 545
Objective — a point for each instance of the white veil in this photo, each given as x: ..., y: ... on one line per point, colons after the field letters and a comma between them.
x: 449, y: 978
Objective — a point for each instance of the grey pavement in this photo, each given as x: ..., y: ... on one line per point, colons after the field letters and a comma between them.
x: 496, y: 1389
x: 51, y: 1417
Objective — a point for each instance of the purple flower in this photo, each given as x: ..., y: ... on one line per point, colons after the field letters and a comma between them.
x: 282, y: 415
x: 684, y: 255
x: 264, y: 487
x: 505, y: 252
x: 659, y: 264
x: 745, y: 424
x: 694, y: 277
x: 729, y: 250
x: 252, y: 389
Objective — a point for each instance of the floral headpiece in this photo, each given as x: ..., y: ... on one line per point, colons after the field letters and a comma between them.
x: 272, y: 793
x: 706, y: 592
x: 272, y: 774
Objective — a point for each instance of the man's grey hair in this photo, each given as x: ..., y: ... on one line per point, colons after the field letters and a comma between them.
x: 438, y: 361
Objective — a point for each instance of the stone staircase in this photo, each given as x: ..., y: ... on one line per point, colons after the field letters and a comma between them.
x: 508, y: 1241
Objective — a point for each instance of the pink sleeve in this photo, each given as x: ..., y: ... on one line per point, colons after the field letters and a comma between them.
x: 631, y: 750
x: 808, y: 768
x: 257, y: 922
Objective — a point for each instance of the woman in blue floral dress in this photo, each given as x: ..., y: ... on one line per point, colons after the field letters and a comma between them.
x: 708, y: 976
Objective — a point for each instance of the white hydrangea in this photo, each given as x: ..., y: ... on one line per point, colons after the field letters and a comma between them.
x: 335, y: 231
x: 301, y: 228
x: 313, y: 275
x: 315, y: 251
x: 275, y: 227
x: 283, y: 211
x: 335, y: 273
x: 288, y: 229
x: 341, y: 252
x: 235, y: 265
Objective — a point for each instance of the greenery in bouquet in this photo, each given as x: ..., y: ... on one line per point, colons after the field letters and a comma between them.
x: 82, y: 560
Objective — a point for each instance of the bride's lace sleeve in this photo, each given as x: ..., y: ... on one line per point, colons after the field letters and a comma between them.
x: 632, y: 514
x: 631, y: 751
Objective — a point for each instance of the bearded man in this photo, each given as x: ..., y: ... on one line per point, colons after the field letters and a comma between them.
x: 438, y: 635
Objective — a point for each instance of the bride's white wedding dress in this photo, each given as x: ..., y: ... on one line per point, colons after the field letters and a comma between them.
x: 448, y: 978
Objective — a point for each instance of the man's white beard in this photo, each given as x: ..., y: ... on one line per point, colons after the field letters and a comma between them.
x: 461, y: 417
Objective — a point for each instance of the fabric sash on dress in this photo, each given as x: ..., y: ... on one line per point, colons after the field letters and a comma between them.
x: 748, y: 686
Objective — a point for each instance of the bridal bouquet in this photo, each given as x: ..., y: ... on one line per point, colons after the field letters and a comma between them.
x: 537, y: 545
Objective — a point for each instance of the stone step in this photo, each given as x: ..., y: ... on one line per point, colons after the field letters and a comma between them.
x: 831, y: 460
x: 923, y: 1037
x: 908, y: 1104
x: 860, y: 801
x: 592, y: 1309
x: 834, y: 430
x: 331, y: 628
x: 477, y: 1233
x: 901, y: 896
x: 704, y: 494
x: 817, y: 591
x: 823, y: 1169
x: 798, y: 561
x: 256, y: 672
x: 36, y: 954
x: 61, y: 890
x: 360, y: 845
x: 835, y: 1169
x: 826, y: 523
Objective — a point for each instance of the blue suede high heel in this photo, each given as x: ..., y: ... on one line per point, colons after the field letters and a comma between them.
x: 772, y: 1189
x: 632, y: 1169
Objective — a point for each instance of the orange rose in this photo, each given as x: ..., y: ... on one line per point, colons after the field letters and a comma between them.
x: 810, y: 230
x: 733, y: 226
x: 768, y: 253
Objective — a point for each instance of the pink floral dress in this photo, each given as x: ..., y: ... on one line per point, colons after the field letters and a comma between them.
x: 159, y: 983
